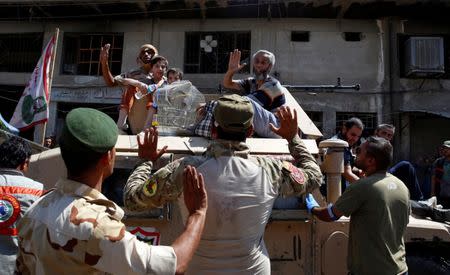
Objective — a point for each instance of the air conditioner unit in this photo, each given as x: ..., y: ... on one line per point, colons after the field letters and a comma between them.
x: 424, y: 57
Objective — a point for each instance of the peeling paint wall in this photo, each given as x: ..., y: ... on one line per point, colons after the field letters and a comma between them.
x: 372, y: 62
x: 320, y: 61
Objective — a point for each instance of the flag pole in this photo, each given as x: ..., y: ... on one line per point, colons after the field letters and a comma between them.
x: 50, y: 82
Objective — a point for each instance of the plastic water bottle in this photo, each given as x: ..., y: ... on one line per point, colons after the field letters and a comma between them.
x: 151, y: 89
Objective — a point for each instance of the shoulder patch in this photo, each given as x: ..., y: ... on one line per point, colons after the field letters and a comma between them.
x: 150, y: 187
x: 9, y: 210
x: 295, y: 173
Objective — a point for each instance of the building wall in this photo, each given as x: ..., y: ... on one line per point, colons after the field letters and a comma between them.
x: 322, y: 60
x: 418, y: 135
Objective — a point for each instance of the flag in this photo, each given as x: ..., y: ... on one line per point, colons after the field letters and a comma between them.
x: 32, y: 108
x: 6, y: 127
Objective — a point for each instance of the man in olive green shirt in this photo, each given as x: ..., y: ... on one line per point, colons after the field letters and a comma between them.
x: 378, y: 206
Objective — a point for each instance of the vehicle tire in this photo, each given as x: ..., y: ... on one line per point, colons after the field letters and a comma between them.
x: 425, y: 265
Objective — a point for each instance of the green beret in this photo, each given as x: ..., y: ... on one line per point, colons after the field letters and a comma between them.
x: 88, y: 130
x: 446, y: 144
x: 233, y: 113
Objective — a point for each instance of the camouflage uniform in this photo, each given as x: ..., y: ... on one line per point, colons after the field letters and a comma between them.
x: 241, y: 191
x: 76, y: 230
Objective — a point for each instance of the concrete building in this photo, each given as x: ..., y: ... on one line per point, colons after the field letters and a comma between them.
x: 315, y: 42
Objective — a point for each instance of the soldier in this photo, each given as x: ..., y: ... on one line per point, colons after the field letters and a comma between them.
x: 17, y: 193
x: 378, y: 206
x: 241, y: 188
x: 75, y: 229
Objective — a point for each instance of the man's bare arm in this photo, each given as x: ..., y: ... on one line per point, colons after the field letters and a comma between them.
x: 349, y: 175
x: 433, y: 185
x: 327, y: 214
x: 196, y: 202
x: 107, y: 76
x: 233, y: 67
x: 323, y: 213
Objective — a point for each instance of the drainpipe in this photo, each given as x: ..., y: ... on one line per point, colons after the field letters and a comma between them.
x: 333, y: 166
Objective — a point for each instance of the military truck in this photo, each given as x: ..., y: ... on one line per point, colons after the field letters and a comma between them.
x: 297, y: 242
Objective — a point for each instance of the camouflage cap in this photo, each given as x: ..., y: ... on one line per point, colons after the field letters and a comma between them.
x: 88, y: 130
x: 446, y: 144
x: 233, y: 113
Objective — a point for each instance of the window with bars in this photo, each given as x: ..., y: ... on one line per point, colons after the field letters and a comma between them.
x: 369, y: 120
x: 208, y: 52
x: 81, y: 53
x: 20, y: 52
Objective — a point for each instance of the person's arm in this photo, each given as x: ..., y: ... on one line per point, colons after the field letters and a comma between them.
x: 123, y: 253
x: 433, y: 185
x: 136, y: 83
x: 327, y: 214
x: 306, y: 175
x: 144, y: 88
x: 233, y: 67
x: 106, y: 73
x: 145, y: 190
x: 349, y: 175
x: 195, y: 199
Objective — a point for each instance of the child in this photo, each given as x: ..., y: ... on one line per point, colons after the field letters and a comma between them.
x: 159, y: 66
x: 174, y: 74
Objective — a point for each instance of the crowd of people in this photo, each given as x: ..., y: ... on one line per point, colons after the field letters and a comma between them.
x: 74, y: 228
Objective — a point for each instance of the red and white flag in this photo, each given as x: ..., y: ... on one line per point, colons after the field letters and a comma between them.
x: 32, y: 108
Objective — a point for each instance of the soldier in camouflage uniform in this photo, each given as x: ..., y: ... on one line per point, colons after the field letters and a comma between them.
x: 241, y: 188
x: 75, y: 229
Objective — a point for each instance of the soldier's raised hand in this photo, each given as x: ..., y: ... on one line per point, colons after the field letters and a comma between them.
x: 288, y: 123
x: 148, y: 148
x: 104, y: 53
x: 195, y: 196
x: 234, y: 63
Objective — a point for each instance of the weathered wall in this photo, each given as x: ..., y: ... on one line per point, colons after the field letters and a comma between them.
x: 413, y: 98
x: 320, y: 61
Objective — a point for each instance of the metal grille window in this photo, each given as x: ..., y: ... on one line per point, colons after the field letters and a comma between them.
x: 207, y: 52
x: 20, y: 52
x: 82, y: 53
x: 369, y: 120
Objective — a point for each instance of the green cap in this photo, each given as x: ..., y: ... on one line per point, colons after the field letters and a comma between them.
x: 233, y: 113
x: 88, y: 130
x: 446, y: 144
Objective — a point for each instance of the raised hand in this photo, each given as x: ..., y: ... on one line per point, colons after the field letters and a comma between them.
x: 104, y: 53
x: 148, y: 149
x: 195, y: 197
x: 234, y: 61
x: 288, y: 123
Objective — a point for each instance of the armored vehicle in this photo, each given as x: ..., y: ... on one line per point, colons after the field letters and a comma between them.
x: 297, y: 242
